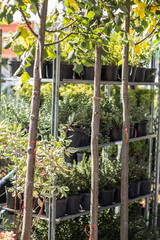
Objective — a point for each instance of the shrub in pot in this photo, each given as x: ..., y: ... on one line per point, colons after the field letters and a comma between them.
x: 49, y: 160
x: 72, y: 182
x: 106, y: 182
x: 84, y: 169
x: 111, y: 56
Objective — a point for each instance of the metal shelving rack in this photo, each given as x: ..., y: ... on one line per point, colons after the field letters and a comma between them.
x: 55, y: 99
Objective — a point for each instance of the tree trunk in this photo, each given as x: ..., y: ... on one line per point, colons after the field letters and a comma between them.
x: 94, y: 146
x: 29, y: 184
x: 125, y: 137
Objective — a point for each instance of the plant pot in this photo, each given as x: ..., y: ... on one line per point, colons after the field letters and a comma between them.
x: 80, y: 157
x: 132, y: 131
x: 134, y: 190
x: 66, y: 70
x: 85, y: 201
x: 79, y: 138
x: 115, y: 134
x: 140, y: 74
x: 106, y: 197
x: 14, y: 65
x: 73, y: 205
x: 71, y: 158
x: 87, y: 73
x: 61, y: 205
x: 131, y: 73
x: 109, y: 73
x: 150, y: 74
x: 3, y: 195
x: 145, y: 187
x: 142, y: 128
x: 11, y: 201
x: 117, y: 195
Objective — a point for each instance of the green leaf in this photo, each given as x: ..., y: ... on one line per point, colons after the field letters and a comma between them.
x: 18, y: 50
x: 8, y: 45
x: 90, y: 15
x: 144, y: 23
x: 25, y: 77
x: 51, y: 54
x: 78, y: 68
x: 71, y: 55
x: 123, y: 8
x: 157, y: 12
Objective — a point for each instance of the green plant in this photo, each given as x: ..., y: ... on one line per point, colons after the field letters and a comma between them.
x: 49, y: 160
x: 106, y: 174
x: 112, y: 51
x: 138, y: 171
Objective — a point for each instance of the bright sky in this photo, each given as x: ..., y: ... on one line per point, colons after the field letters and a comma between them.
x: 51, y: 6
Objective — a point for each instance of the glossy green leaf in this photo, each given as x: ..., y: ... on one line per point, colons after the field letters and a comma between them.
x: 25, y: 77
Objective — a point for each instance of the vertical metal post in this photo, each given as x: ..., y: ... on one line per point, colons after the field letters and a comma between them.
x: 0, y: 61
x: 157, y: 157
x: 150, y: 141
x: 56, y: 111
x: 57, y: 82
x: 53, y: 98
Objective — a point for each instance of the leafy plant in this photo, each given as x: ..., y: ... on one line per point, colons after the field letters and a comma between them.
x: 112, y: 51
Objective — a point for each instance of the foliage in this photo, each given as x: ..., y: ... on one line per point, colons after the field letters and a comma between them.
x: 49, y: 160
x: 107, y: 172
x: 112, y: 51
x: 76, y: 100
x: 138, y: 170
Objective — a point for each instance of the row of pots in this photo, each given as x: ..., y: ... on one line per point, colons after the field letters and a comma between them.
x: 109, y: 72
x: 80, y: 138
x: 73, y: 204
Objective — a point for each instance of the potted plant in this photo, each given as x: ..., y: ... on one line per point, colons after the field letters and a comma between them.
x: 74, y: 198
x: 134, y: 179
x: 84, y: 169
x: 106, y: 182
x: 111, y: 56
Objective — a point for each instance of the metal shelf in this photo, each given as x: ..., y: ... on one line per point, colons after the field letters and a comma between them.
x: 149, y: 136
x: 76, y: 81
x: 81, y: 212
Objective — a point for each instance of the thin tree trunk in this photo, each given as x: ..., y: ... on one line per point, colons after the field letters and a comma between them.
x: 29, y: 184
x: 125, y: 143
x: 94, y: 145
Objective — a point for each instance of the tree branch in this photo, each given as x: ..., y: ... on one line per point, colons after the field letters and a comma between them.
x: 62, y: 28
x: 134, y: 19
x: 37, y: 7
x: 49, y: 44
x: 27, y: 22
x: 148, y: 34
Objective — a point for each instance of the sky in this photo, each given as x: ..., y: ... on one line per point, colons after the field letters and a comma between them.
x: 51, y: 6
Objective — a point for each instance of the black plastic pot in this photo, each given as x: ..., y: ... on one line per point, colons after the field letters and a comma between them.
x: 117, y: 195
x: 116, y: 134
x: 131, y: 73
x: 14, y: 65
x: 150, y: 74
x: 79, y: 137
x: 10, y: 200
x: 73, y: 205
x: 140, y: 74
x: 2, y: 195
x: 109, y: 73
x: 134, y: 190
x: 145, y: 187
x: 142, y: 128
x: 87, y: 73
x: 61, y: 205
x: 66, y: 70
x: 106, y: 197
x: 71, y: 158
x: 85, y: 201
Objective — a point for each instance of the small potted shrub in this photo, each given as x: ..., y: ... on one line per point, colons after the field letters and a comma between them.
x: 72, y: 182
x: 84, y: 168
x: 106, y: 182
x: 111, y: 56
